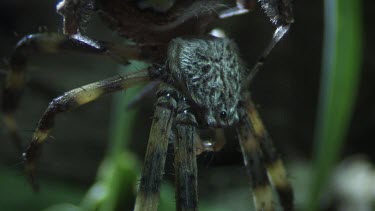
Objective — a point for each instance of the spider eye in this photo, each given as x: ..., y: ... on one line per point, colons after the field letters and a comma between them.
x: 223, y: 115
x: 206, y: 68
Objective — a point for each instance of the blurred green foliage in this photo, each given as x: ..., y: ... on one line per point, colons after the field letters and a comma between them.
x: 342, y: 59
x: 17, y: 193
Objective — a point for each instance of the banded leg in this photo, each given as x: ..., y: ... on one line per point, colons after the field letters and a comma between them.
x: 48, y: 43
x: 153, y: 167
x: 252, y: 154
x: 271, y: 158
x: 69, y: 101
x: 185, y: 160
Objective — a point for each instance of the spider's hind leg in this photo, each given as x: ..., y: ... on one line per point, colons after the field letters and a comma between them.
x: 258, y: 147
x: 69, y: 101
x: 48, y: 43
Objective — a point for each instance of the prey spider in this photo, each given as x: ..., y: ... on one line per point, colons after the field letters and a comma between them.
x: 203, y: 84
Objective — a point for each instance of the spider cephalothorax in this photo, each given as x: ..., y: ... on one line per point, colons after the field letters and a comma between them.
x: 203, y: 84
x: 209, y: 73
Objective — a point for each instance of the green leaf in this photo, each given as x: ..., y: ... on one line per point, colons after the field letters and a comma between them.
x: 339, y: 83
x: 117, y: 176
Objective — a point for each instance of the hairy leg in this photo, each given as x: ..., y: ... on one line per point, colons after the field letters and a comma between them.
x: 252, y: 154
x: 153, y: 167
x: 49, y: 43
x: 72, y: 100
x: 274, y: 164
x: 185, y: 161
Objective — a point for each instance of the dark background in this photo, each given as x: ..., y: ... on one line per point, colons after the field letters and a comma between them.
x: 286, y: 92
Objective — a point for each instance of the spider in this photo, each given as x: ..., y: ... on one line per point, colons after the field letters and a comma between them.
x: 203, y: 84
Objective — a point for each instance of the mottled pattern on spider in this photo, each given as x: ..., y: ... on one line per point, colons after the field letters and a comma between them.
x: 209, y: 73
x: 203, y: 84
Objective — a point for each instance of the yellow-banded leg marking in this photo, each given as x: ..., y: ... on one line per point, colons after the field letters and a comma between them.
x: 50, y: 43
x: 185, y: 161
x: 153, y: 167
x: 262, y: 196
x: 252, y: 155
x: 69, y: 101
x: 275, y: 167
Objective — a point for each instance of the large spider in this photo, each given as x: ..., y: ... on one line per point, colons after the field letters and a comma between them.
x: 204, y: 84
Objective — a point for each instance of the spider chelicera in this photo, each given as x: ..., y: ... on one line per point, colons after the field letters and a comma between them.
x: 203, y: 84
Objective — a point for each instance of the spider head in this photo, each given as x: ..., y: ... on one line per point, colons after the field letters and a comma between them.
x: 208, y: 71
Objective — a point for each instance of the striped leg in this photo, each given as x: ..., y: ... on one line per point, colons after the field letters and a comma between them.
x: 261, y: 187
x: 48, y: 43
x: 69, y: 101
x: 185, y: 161
x: 272, y: 160
x: 153, y: 167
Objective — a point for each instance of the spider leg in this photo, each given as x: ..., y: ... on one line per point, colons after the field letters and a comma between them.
x: 252, y: 154
x: 185, y: 159
x: 76, y: 13
x: 278, y: 34
x: 153, y: 167
x: 281, y: 15
x: 271, y: 158
x: 48, y: 43
x: 243, y: 6
x: 69, y: 101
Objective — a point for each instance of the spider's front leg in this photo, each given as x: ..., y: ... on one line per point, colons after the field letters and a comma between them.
x: 49, y: 43
x: 69, y: 101
x: 274, y: 164
x: 252, y: 155
x: 280, y: 13
x: 185, y: 159
x: 76, y: 13
x: 153, y: 167
x: 257, y: 147
x: 242, y: 6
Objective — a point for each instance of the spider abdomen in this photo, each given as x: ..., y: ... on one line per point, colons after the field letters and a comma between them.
x: 208, y: 71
